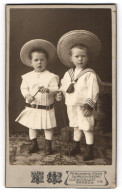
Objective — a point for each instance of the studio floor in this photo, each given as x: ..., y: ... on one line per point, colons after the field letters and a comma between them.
x: 19, y: 145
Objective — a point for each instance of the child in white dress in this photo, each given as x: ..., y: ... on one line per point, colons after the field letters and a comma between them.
x: 38, y: 88
x: 80, y: 85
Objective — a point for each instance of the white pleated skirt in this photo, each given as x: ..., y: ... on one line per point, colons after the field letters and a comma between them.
x: 37, y: 118
x: 77, y: 119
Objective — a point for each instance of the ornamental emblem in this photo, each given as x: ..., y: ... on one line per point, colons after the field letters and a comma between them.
x: 54, y: 177
x: 37, y: 177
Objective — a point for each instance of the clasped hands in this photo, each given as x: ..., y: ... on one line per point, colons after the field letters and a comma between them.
x: 58, y: 95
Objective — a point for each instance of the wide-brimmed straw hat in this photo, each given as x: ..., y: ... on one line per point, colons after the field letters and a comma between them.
x: 46, y: 46
x: 76, y: 37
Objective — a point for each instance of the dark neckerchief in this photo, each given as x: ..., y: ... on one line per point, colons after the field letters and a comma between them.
x: 73, y: 81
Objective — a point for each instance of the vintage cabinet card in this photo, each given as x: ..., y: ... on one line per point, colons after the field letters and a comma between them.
x: 60, y: 136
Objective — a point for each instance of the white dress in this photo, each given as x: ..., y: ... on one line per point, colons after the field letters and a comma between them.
x: 38, y: 118
x: 86, y: 91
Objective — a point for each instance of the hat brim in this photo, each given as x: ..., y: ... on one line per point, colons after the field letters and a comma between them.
x: 37, y: 44
x: 68, y: 40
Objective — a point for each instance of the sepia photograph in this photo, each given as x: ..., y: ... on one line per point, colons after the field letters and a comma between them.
x: 61, y: 96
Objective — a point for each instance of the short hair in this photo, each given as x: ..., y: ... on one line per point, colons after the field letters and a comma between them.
x: 38, y: 51
x: 80, y: 46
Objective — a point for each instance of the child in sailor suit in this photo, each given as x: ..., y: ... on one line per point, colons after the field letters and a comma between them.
x: 86, y: 92
x: 80, y: 88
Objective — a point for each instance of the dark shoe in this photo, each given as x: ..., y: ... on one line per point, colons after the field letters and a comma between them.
x: 76, y: 149
x: 48, y: 147
x: 89, y: 155
x: 35, y: 147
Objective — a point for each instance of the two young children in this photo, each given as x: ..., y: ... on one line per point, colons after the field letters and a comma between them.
x: 79, y: 87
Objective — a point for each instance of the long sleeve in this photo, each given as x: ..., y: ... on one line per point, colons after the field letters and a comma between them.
x: 53, y: 85
x: 24, y: 88
x: 65, y: 82
x: 93, y: 90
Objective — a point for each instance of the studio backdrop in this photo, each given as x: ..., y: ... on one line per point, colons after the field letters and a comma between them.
x: 51, y: 24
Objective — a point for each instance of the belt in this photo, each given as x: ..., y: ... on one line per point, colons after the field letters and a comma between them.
x: 40, y: 106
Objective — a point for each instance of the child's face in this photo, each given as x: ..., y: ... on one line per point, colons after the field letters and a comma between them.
x: 79, y: 57
x: 39, y: 61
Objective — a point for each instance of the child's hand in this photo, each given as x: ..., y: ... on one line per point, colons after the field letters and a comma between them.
x: 58, y: 96
x: 87, y: 112
x: 44, y: 90
x: 29, y: 98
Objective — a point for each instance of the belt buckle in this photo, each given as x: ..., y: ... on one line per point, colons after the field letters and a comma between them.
x: 37, y: 106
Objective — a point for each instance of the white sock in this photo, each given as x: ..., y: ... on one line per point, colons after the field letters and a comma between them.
x: 77, y: 134
x: 89, y: 135
x: 33, y: 133
x: 48, y: 134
